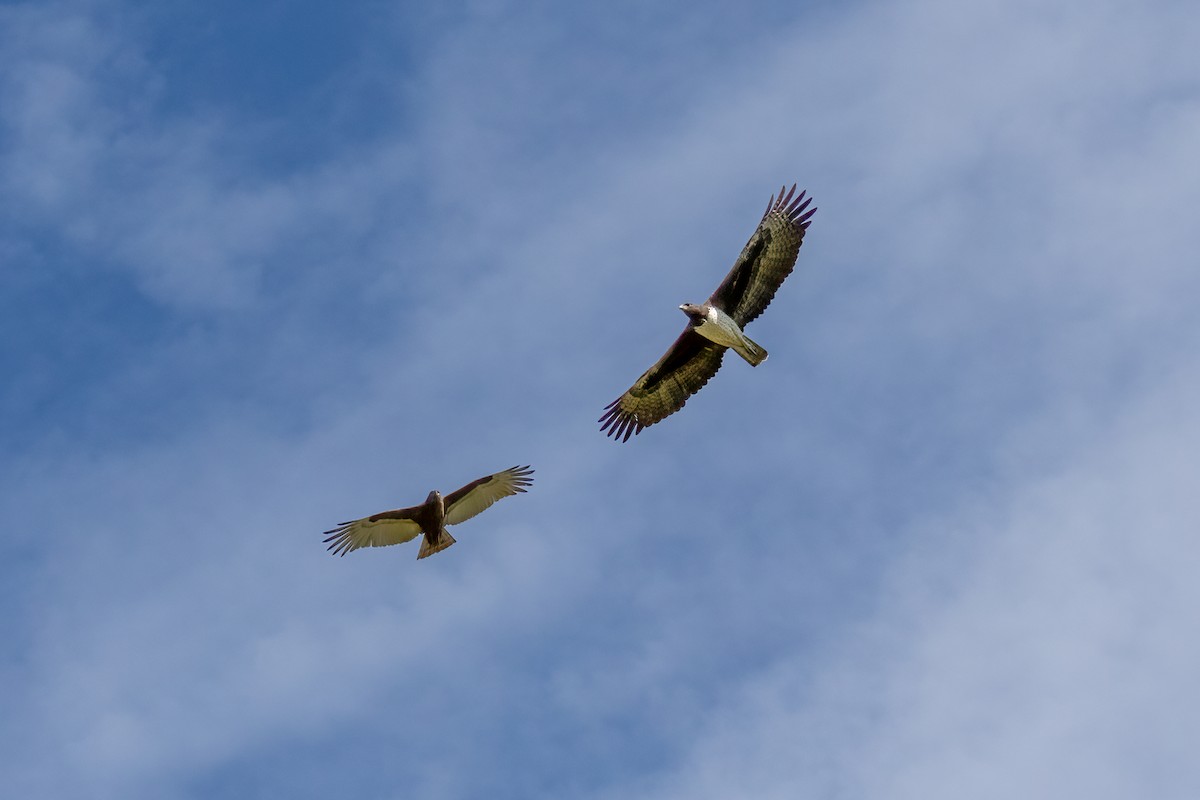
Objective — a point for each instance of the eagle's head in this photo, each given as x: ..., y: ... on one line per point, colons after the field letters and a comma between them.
x: 694, y: 312
x: 434, y: 497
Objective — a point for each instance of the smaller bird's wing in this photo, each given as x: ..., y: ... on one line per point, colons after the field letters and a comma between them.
x: 766, y: 260
x: 664, y: 388
x: 377, y: 530
x: 476, y: 496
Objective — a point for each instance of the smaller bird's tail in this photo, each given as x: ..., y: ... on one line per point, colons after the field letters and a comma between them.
x: 429, y: 547
x: 751, y: 351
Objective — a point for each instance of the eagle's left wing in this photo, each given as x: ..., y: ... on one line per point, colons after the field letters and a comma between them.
x: 664, y: 388
x: 476, y: 496
x: 378, y: 530
x: 766, y: 260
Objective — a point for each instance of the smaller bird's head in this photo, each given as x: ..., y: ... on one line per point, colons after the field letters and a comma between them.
x: 434, y: 497
x: 694, y: 312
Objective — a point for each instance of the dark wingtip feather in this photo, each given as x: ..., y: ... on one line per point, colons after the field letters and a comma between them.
x: 797, y: 210
x: 629, y: 427
x: 797, y: 204
x: 610, y: 413
x: 612, y: 417
x: 779, y: 201
x: 618, y: 424
x: 783, y: 201
x: 521, y: 477
x: 787, y: 202
x: 610, y: 425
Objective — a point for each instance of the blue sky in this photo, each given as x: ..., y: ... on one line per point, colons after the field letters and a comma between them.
x: 267, y: 269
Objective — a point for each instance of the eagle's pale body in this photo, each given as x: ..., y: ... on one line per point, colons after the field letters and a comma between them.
x: 715, y: 325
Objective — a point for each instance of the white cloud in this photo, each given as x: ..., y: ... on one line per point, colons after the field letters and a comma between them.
x: 93, y: 155
x: 964, y: 299
x: 1033, y: 642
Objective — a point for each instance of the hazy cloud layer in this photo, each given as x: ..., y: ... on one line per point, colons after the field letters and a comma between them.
x: 939, y: 545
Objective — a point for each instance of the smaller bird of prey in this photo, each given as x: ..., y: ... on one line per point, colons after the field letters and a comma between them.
x: 716, y: 326
x: 429, y: 518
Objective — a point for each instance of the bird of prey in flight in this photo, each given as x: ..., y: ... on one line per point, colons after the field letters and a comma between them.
x: 717, y: 325
x: 429, y: 518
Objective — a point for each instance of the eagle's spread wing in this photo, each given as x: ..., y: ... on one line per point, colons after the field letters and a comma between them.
x: 477, y: 495
x: 389, y: 527
x: 664, y: 388
x: 766, y: 259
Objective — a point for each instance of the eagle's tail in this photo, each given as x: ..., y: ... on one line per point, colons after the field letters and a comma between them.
x: 429, y: 547
x: 751, y: 351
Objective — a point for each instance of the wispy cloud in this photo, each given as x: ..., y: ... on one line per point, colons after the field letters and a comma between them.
x: 943, y: 549
x: 96, y: 157
x: 1030, y: 640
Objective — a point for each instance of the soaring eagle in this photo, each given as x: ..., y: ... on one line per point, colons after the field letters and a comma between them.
x: 717, y: 325
x: 429, y: 518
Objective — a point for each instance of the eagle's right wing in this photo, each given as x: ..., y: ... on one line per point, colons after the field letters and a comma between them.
x: 476, y: 496
x: 766, y: 260
x: 664, y: 388
x: 378, y: 530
